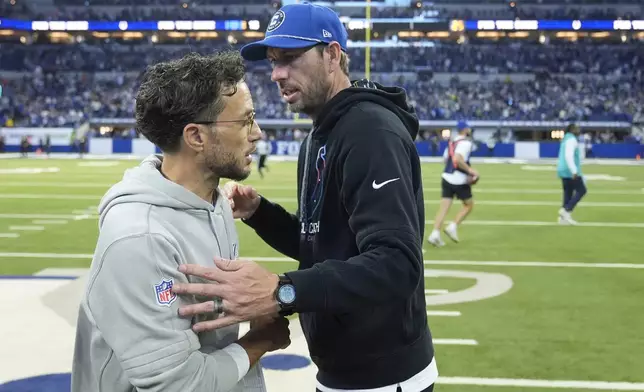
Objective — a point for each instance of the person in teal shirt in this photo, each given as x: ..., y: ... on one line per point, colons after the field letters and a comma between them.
x: 569, y: 170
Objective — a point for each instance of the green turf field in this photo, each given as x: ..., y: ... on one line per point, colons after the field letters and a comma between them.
x: 576, y: 313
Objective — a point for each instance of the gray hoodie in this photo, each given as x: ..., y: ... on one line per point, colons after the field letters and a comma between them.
x: 129, y: 336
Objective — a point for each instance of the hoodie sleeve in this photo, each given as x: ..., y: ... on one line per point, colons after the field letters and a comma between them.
x: 277, y: 227
x: 380, y: 176
x: 137, y: 316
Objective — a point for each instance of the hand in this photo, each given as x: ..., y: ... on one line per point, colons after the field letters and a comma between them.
x: 246, y: 288
x: 474, y: 173
x: 574, y: 176
x: 274, y: 332
x: 243, y: 199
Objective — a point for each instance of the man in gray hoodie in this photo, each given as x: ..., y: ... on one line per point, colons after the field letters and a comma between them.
x: 164, y: 213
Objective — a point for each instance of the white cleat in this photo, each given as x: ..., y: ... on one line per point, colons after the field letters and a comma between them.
x: 436, y: 240
x: 451, y: 231
x: 566, y: 219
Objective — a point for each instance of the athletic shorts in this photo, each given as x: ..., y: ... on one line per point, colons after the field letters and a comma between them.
x: 462, y: 192
x: 262, y: 161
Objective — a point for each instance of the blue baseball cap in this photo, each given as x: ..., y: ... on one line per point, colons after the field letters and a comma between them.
x: 462, y: 124
x: 297, y: 26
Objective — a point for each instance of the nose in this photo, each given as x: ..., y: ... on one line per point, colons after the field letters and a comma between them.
x: 279, y: 73
x: 255, y: 132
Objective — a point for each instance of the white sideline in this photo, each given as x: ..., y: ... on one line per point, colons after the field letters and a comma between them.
x: 506, y: 382
x: 427, y: 262
x: 9, y: 235
x: 443, y: 313
x: 456, y: 342
x: 27, y: 228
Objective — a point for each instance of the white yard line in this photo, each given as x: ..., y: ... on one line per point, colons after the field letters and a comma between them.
x: 566, y: 384
x: 443, y: 313
x: 546, y: 223
x: 9, y: 235
x: 436, y: 291
x: 49, y: 222
x: 456, y: 342
x: 480, y: 189
x: 553, y: 264
x: 36, y: 216
x: 55, y: 184
x: 48, y: 196
x: 27, y: 228
x: 46, y: 255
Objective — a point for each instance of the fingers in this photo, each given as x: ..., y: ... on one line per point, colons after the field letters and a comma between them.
x: 212, y: 325
x: 227, y: 265
x: 209, y: 273
x: 249, y: 192
x: 198, y: 289
x: 193, y: 310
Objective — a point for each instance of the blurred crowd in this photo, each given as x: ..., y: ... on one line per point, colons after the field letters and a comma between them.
x: 488, y: 59
x: 45, y: 99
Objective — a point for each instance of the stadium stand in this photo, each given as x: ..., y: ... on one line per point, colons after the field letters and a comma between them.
x: 60, y: 79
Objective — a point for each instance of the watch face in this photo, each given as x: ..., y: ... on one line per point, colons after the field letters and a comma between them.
x: 286, y: 294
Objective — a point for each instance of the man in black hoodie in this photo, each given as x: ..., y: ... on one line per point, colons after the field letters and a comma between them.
x: 358, y: 233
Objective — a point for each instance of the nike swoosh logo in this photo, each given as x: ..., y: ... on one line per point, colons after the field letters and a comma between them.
x: 378, y: 186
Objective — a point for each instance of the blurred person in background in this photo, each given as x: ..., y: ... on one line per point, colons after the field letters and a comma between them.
x: 456, y: 181
x: 166, y: 212
x: 569, y: 171
x: 264, y: 148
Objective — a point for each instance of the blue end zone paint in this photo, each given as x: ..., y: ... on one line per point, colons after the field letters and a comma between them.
x: 284, y: 362
x: 33, y: 277
x: 49, y: 382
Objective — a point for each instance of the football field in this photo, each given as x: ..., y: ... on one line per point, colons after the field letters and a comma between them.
x: 520, y: 304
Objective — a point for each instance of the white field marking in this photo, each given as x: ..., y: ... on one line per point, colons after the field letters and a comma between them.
x: 36, y: 216
x: 567, y: 384
x: 542, y: 223
x: 98, y: 164
x: 79, y: 184
x: 427, y: 262
x: 519, y: 190
x: 436, y: 291
x: 506, y: 203
x: 27, y: 228
x: 443, y: 313
x: 49, y: 222
x: 456, y: 342
x: 48, y: 197
x: 47, y: 255
x: 62, y: 272
x: 9, y: 235
x: 30, y: 170
x: 489, y: 263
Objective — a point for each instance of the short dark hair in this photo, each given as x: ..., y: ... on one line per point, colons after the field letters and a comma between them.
x: 571, y: 127
x: 174, y: 93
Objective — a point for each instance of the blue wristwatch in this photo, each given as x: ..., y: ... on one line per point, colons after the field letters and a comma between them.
x: 285, y: 295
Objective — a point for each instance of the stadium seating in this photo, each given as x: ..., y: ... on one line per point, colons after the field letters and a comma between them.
x: 584, y: 80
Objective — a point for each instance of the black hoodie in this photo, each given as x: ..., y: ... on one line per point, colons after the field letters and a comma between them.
x: 358, y: 237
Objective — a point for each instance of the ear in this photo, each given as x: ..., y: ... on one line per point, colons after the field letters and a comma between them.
x: 334, y: 53
x: 194, y: 137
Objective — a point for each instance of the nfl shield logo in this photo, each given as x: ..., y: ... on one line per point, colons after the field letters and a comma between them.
x: 164, y: 295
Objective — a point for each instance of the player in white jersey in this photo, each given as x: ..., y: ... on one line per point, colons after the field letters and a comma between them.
x: 263, y: 150
x: 457, y: 180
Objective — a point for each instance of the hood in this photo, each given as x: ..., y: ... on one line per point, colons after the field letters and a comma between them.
x: 392, y: 98
x: 145, y: 184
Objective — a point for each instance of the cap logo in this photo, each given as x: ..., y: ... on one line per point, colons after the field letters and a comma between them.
x: 326, y: 34
x: 276, y: 21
